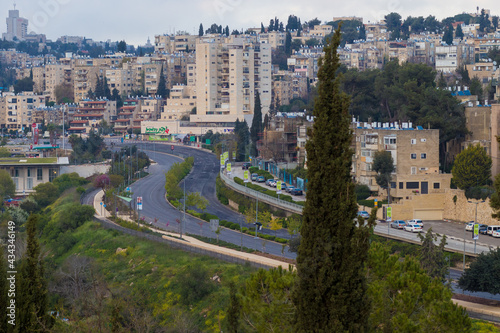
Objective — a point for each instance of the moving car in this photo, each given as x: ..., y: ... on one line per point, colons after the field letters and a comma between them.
x: 413, y: 227
x: 268, y: 182
x: 289, y: 188
x: 415, y: 221
x: 364, y: 214
x: 398, y: 224
x: 296, y: 191
x: 246, y: 165
x: 261, y: 179
x: 254, y: 177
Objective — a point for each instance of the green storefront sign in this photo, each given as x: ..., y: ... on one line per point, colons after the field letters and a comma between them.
x: 154, y: 130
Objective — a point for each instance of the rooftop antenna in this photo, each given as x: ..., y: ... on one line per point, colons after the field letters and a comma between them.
x: 14, y: 5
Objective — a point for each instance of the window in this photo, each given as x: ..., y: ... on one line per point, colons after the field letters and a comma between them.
x: 29, y: 172
x: 423, y: 140
x: 413, y: 156
x: 412, y: 185
x: 39, y: 174
x: 436, y: 186
x: 393, y: 184
x: 413, y: 170
x: 401, y: 184
x: 389, y: 141
x: 423, y: 156
x: 413, y: 141
x: 29, y: 184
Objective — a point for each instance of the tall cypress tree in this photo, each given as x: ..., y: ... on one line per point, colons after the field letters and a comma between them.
x: 330, y: 294
x: 32, y: 308
x: 162, y: 87
x: 256, y: 124
x: 200, y: 31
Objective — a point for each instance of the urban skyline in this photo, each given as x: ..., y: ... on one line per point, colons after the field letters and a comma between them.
x: 134, y: 22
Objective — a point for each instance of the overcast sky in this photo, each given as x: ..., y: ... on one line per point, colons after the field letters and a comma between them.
x: 135, y: 20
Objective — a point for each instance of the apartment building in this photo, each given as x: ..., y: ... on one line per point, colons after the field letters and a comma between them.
x: 227, y: 77
x: 450, y: 57
x: 121, y: 79
x: 90, y: 114
x: 376, y: 31
x: 16, y: 110
x: 320, y: 31
x: 287, y: 86
x: 483, y: 45
x: 484, y: 71
x: 415, y: 153
x: 126, y: 115
x: 181, y: 102
x: 274, y: 38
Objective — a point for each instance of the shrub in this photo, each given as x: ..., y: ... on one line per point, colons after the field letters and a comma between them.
x: 362, y: 192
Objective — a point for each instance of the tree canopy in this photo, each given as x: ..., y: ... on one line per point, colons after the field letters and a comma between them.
x: 7, y: 186
x: 472, y: 167
x: 483, y: 273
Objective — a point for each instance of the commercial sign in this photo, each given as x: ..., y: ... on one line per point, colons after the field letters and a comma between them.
x: 155, y: 130
x: 222, y: 161
x: 234, y: 155
x: 278, y: 187
x: 476, y: 232
x: 139, y: 203
x: 245, y: 176
x: 214, y: 225
x: 389, y: 214
x: 229, y: 168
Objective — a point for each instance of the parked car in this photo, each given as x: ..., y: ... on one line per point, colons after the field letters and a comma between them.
x: 254, y: 177
x: 268, y: 182
x: 296, y: 191
x: 492, y: 228
x: 261, y: 179
x: 496, y: 233
x: 289, y: 188
x: 413, y: 227
x: 364, y: 214
x: 246, y: 165
x: 415, y: 221
x: 469, y: 226
x: 273, y: 183
x: 398, y: 224
x: 483, y: 229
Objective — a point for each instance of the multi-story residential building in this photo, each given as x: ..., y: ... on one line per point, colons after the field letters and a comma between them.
x: 320, y: 31
x: 287, y: 86
x: 17, y: 27
x: 56, y: 75
x: 227, y: 77
x: 126, y: 115
x: 303, y: 66
x: 90, y: 114
x: 181, y: 102
x: 415, y: 153
x: 121, y: 79
x: 85, y: 79
x: 483, y: 45
x: 274, y: 38
x: 449, y: 58
x: 376, y: 31
x: 15, y: 110
x: 484, y: 71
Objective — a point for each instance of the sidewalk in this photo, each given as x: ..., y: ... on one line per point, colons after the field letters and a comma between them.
x: 479, y: 308
x: 195, y: 242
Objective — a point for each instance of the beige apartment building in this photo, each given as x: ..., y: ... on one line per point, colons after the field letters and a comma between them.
x: 16, y: 110
x: 90, y: 114
x: 227, y: 77
x: 416, y: 159
x: 274, y: 38
x: 287, y: 86
x: 120, y: 79
x: 181, y: 102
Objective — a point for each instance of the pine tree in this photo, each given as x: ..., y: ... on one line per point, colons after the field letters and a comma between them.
x: 162, y: 88
x: 107, y: 91
x: 242, y: 133
x: 99, y: 87
x: 226, y: 31
x: 256, y: 124
x: 459, y: 33
x: 448, y: 35
x: 288, y: 44
x: 262, y: 29
x: 32, y: 308
x: 200, y: 32
x: 233, y: 313
x: 330, y: 295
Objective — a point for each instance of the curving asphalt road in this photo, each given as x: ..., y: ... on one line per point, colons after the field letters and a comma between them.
x: 201, y: 179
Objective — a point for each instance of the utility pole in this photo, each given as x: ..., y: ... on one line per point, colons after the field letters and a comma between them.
x: 256, y: 217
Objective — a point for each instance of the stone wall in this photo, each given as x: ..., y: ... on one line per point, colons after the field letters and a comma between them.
x: 465, y: 211
x: 233, y: 205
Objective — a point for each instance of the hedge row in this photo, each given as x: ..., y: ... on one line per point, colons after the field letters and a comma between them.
x: 370, y: 203
x: 264, y: 190
x: 263, y: 173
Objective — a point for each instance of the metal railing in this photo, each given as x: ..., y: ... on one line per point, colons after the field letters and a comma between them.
x: 285, y: 205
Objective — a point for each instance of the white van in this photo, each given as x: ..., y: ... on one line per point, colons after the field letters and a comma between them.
x: 492, y: 228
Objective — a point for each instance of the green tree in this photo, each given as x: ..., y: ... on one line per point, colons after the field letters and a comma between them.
x: 495, y: 197
x: 331, y: 289
x: 233, y: 312
x: 256, y: 128
x: 383, y: 165
x: 200, y: 31
x: 459, y: 33
x: 483, y: 274
x: 393, y: 23
x: 25, y: 84
x: 32, y: 308
x: 472, y: 167
x: 432, y: 257
x: 476, y: 88
x: 64, y: 93
x: 4, y: 152
x: 162, y: 86
x: 195, y: 199
x: 45, y: 194
x: 7, y: 186
x: 243, y: 137
x: 122, y: 46
x: 266, y: 304
x: 448, y: 35
x: 406, y: 299
x: 288, y: 44
x: 442, y: 81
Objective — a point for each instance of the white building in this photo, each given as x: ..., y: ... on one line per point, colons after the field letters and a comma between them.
x: 17, y: 27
